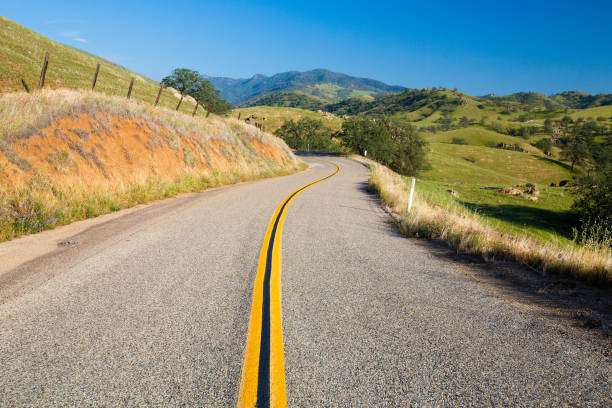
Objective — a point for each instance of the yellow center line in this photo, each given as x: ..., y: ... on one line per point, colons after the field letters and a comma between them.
x: 263, y: 370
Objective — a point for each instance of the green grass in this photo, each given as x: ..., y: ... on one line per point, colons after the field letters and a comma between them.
x: 22, y: 52
x: 466, y: 168
x: 480, y: 137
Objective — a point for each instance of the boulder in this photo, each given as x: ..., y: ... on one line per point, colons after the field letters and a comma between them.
x: 563, y: 183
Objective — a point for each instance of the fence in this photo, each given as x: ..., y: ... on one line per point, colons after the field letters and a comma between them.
x: 45, y: 66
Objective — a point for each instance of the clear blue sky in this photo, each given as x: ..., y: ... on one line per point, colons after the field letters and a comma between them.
x: 477, y: 46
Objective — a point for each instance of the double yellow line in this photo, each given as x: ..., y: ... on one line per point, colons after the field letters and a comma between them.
x: 263, y: 371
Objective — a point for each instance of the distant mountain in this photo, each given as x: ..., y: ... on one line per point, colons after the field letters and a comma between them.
x: 321, y: 83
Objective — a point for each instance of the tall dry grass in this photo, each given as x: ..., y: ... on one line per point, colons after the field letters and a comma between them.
x: 44, y: 198
x: 468, y: 234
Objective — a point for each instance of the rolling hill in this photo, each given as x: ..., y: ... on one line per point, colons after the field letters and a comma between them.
x: 22, y: 52
x: 321, y: 83
x: 287, y: 99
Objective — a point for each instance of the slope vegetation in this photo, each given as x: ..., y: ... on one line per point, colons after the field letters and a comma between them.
x: 67, y: 155
x: 22, y: 52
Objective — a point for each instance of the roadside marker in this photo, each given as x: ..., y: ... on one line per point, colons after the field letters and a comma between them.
x: 411, y: 195
x: 263, y: 370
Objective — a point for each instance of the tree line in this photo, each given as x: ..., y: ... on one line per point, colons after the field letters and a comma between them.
x: 393, y: 143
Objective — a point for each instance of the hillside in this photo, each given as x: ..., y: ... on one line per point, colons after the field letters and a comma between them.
x: 67, y: 155
x: 287, y: 99
x: 273, y: 117
x: 321, y: 83
x: 22, y: 52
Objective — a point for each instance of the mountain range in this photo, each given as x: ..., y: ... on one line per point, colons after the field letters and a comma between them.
x: 321, y: 83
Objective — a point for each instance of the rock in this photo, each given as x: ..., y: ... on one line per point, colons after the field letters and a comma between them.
x: 563, y: 183
x: 490, y: 188
x: 553, y: 185
x: 532, y: 198
x: 512, y: 191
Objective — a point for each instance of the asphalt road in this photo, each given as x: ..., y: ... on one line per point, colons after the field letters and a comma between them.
x: 152, y: 309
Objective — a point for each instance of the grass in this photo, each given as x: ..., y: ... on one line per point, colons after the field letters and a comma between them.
x: 469, y: 232
x: 276, y: 116
x: 91, y: 153
x: 480, y: 137
x: 22, y: 52
x: 466, y: 169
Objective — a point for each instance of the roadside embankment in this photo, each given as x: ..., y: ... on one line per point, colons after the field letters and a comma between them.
x: 67, y: 155
x: 464, y: 231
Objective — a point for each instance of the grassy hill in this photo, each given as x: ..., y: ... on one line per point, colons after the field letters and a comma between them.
x: 22, y: 52
x: 321, y: 83
x: 287, y: 99
x: 275, y: 116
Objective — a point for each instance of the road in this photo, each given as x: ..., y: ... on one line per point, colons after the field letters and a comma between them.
x: 153, y: 309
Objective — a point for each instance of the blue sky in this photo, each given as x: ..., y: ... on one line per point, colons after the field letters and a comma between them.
x: 478, y: 47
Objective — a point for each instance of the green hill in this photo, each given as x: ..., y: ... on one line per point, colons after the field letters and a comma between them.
x: 581, y: 100
x: 321, y: 83
x: 288, y: 99
x: 22, y: 52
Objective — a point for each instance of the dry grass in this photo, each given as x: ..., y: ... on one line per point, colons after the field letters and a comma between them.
x: 465, y: 232
x: 66, y: 155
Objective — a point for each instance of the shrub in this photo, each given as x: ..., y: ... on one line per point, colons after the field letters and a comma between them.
x: 458, y: 141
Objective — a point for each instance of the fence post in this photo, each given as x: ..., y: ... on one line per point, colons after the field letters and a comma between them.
x: 130, y: 88
x: 195, y: 109
x: 411, y: 195
x: 93, y: 84
x: 161, y: 87
x: 43, y: 72
x: 365, y: 153
x: 207, y: 113
x: 239, y: 113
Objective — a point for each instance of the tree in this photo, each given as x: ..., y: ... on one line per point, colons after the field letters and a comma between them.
x: 594, y: 197
x: 544, y: 145
x: 391, y: 143
x: 576, y: 151
x: 305, y: 133
x: 185, y: 81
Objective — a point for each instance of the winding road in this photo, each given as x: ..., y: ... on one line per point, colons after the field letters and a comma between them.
x: 179, y: 304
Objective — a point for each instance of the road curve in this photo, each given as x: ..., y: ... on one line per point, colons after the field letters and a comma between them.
x: 152, y: 309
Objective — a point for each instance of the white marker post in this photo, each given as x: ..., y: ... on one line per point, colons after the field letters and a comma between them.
x: 411, y: 195
x: 365, y: 153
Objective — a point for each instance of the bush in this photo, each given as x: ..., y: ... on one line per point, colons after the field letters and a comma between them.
x: 458, y: 141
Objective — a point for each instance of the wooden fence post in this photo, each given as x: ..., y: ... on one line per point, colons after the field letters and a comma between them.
x: 43, y: 72
x: 239, y: 113
x: 161, y: 87
x: 180, y: 100
x: 207, y: 113
x: 130, y: 88
x: 93, y: 84
x: 195, y: 109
